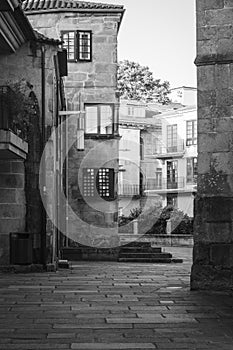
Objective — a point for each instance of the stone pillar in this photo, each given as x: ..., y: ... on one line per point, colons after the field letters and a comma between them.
x: 213, y: 234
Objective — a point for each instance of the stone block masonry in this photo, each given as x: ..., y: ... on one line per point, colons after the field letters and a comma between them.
x: 12, y: 203
x: 91, y: 82
x: 213, y: 238
x: 20, y: 201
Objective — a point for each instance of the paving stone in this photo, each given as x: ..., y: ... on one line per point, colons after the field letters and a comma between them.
x: 113, y: 346
x: 150, y: 308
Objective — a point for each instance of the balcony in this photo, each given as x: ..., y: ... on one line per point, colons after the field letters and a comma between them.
x: 174, y: 151
x: 155, y: 186
x: 12, y: 144
x: 177, y: 185
x: 129, y: 190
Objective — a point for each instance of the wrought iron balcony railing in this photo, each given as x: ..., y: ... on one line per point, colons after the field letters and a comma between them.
x: 175, y: 148
x: 156, y: 185
x: 129, y: 190
x: 165, y: 184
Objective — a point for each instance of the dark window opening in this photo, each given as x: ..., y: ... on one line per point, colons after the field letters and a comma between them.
x: 191, y: 132
x: 172, y: 174
x: 172, y: 199
x: 191, y: 175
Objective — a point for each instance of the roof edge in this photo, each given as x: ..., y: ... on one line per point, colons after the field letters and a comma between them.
x: 36, y: 12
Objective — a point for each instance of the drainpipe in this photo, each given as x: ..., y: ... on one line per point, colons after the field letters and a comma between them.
x: 43, y: 175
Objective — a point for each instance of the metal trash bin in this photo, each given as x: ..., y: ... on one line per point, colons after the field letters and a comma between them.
x: 21, y: 248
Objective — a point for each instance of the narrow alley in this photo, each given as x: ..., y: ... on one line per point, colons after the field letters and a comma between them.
x: 113, y: 306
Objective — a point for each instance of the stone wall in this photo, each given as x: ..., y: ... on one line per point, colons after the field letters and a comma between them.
x: 213, y: 238
x: 94, y: 222
x: 12, y: 203
x: 24, y: 212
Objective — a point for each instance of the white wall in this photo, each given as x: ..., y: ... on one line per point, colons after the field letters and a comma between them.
x: 129, y: 154
x: 132, y: 108
x: 184, y: 95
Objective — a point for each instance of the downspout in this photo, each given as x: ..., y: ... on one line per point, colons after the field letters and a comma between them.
x: 43, y: 175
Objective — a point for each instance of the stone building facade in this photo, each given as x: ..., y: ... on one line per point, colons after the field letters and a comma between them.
x: 89, y: 33
x: 28, y: 90
x: 213, y: 240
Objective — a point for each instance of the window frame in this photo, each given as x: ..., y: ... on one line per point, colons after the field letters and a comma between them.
x: 172, y: 174
x: 172, y: 197
x: 63, y: 32
x: 76, y: 45
x: 190, y: 178
x: 172, y: 138
x: 114, y: 121
x: 191, y: 140
x: 78, y: 32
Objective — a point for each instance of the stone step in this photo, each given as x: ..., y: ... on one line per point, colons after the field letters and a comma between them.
x: 137, y: 244
x: 145, y: 255
x: 90, y: 254
x: 146, y: 260
x: 140, y: 249
x: 150, y: 260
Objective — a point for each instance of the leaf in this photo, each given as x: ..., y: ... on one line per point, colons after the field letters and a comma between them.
x: 136, y: 82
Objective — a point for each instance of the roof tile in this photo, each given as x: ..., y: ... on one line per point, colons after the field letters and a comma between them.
x: 48, y: 5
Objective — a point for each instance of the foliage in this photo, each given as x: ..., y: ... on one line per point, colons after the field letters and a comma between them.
x: 181, y: 223
x: 24, y: 106
x: 134, y: 213
x: 136, y: 82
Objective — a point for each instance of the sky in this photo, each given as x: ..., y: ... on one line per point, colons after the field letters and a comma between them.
x: 160, y: 34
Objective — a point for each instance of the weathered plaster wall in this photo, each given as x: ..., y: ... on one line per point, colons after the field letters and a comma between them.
x: 213, y: 239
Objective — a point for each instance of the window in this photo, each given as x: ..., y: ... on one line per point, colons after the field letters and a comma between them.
x: 191, y: 170
x: 141, y: 148
x: 172, y: 174
x: 84, y: 45
x: 69, y: 43
x: 172, y: 199
x: 172, y: 138
x: 191, y: 132
x: 98, y: 182
x: 99, y: 119
x: 131, y: 111
x: 78, y: 45
x: 158, y: 177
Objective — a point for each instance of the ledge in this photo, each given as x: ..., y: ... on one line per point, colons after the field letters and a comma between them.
x: 12, y: 146
x: 167, y: 240
x: 204, y: 60
x: 101, y: 137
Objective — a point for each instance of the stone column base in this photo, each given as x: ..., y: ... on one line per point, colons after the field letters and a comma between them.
x: 212, y: 266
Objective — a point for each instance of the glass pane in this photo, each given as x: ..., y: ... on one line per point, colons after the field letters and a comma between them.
x: 68, y: 44
x: 106, y: 119
x: 84, y: 45
x: 91, y: 126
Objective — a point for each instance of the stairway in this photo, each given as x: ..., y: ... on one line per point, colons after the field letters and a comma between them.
x: 142, y: 252
x: 136, y: 251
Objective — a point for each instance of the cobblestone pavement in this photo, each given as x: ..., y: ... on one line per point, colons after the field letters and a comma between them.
x: 113, y: 306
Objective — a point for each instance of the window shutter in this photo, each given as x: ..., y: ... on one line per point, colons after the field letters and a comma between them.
x: 62, y: 62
